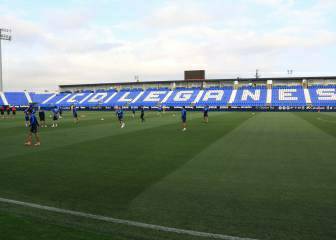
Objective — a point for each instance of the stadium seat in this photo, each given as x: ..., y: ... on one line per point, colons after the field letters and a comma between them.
x: 16, y: 98
x: 323, y: 96
x: 288, y: 96
x: 245, y: 96
x: 248, y: 96
x: 40, y: 97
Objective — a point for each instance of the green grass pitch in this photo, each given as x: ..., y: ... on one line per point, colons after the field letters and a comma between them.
x: 263, y: 176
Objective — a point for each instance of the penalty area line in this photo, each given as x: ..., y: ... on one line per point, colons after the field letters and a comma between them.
x: 122, y: 221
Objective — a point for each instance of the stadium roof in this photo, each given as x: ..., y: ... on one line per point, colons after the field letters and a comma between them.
x: 206, y: 80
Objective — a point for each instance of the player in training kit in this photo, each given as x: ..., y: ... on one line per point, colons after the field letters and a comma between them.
x: 33, y: 124
x: 120, y: 115
x: 8, y: 109
x: 184, y: 118
x: 74, y: 114
x: 2, y: 111
x: 14, y: 111
x: 60, y: 112
x: 160, y: 110
x: 205, y: 114
x: 133, y: 112
x: 26, y: 113
x: 142, y: 114
x: 42, y: 117
x: 55, y: 112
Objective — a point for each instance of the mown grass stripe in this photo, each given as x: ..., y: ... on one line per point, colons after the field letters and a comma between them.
x: 122, y: 221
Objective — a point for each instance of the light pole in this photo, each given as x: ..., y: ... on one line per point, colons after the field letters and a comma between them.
x: 7, y: 37
x: 257, y: 74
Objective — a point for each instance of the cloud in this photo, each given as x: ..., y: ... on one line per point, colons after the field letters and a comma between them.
x: 71, y: 46
x: 175, y: 15
x: 24, y: 32
x: 65, y: 19
x: 274, y: 3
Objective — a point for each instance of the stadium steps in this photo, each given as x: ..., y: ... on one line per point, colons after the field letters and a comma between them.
x: 4, y: 99
x: 110, y: 98
x: 28, y: 97
x: 86, y: 98
x: 62, y: 99
x: 198, y: 97
x: 137, y: 97
x: 167, y: 96
x: 233, y: 96
x: 269, y: 97
x: 307, y: 96
x: 48, y: 99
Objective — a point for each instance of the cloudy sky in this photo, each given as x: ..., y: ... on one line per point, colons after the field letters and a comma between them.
x: 88, y: 41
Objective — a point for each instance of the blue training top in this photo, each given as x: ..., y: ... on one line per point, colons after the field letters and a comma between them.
x: 184, y: 114
x: 33, y: 121
x: 26, y: 115
x: 120, y: 113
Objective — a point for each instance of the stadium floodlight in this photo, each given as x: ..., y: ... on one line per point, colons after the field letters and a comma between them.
x: 5, y: 34
x: 257, y: 75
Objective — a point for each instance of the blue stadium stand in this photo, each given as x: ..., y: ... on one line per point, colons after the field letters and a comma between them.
x: 16, y: 98
x: 125, y: 97
x: 55, y: 99
x: 181, y: 97
x: 323, y: 96
x: 151, y: 97
x: 285, y: 96
x: 84, y: 99
x: 39, y: 97
x: 97, y: 99
x: 74, y: 99
x: 215, y: 97
x: 250, y: 97
x: 282, y: 96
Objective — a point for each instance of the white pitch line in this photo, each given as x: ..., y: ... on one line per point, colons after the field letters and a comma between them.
x: 330, y: 121
x: 122, y: 221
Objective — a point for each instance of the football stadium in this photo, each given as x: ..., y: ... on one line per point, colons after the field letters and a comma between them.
x: 233, y: 158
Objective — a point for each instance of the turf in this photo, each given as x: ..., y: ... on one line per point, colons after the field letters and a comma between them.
x: 263, y: 175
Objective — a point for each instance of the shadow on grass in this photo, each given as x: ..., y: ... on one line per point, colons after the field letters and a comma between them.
x: 324, y: 122
x: 104, y: 176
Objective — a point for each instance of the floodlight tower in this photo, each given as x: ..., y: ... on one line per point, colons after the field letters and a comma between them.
x: 5, y: 34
